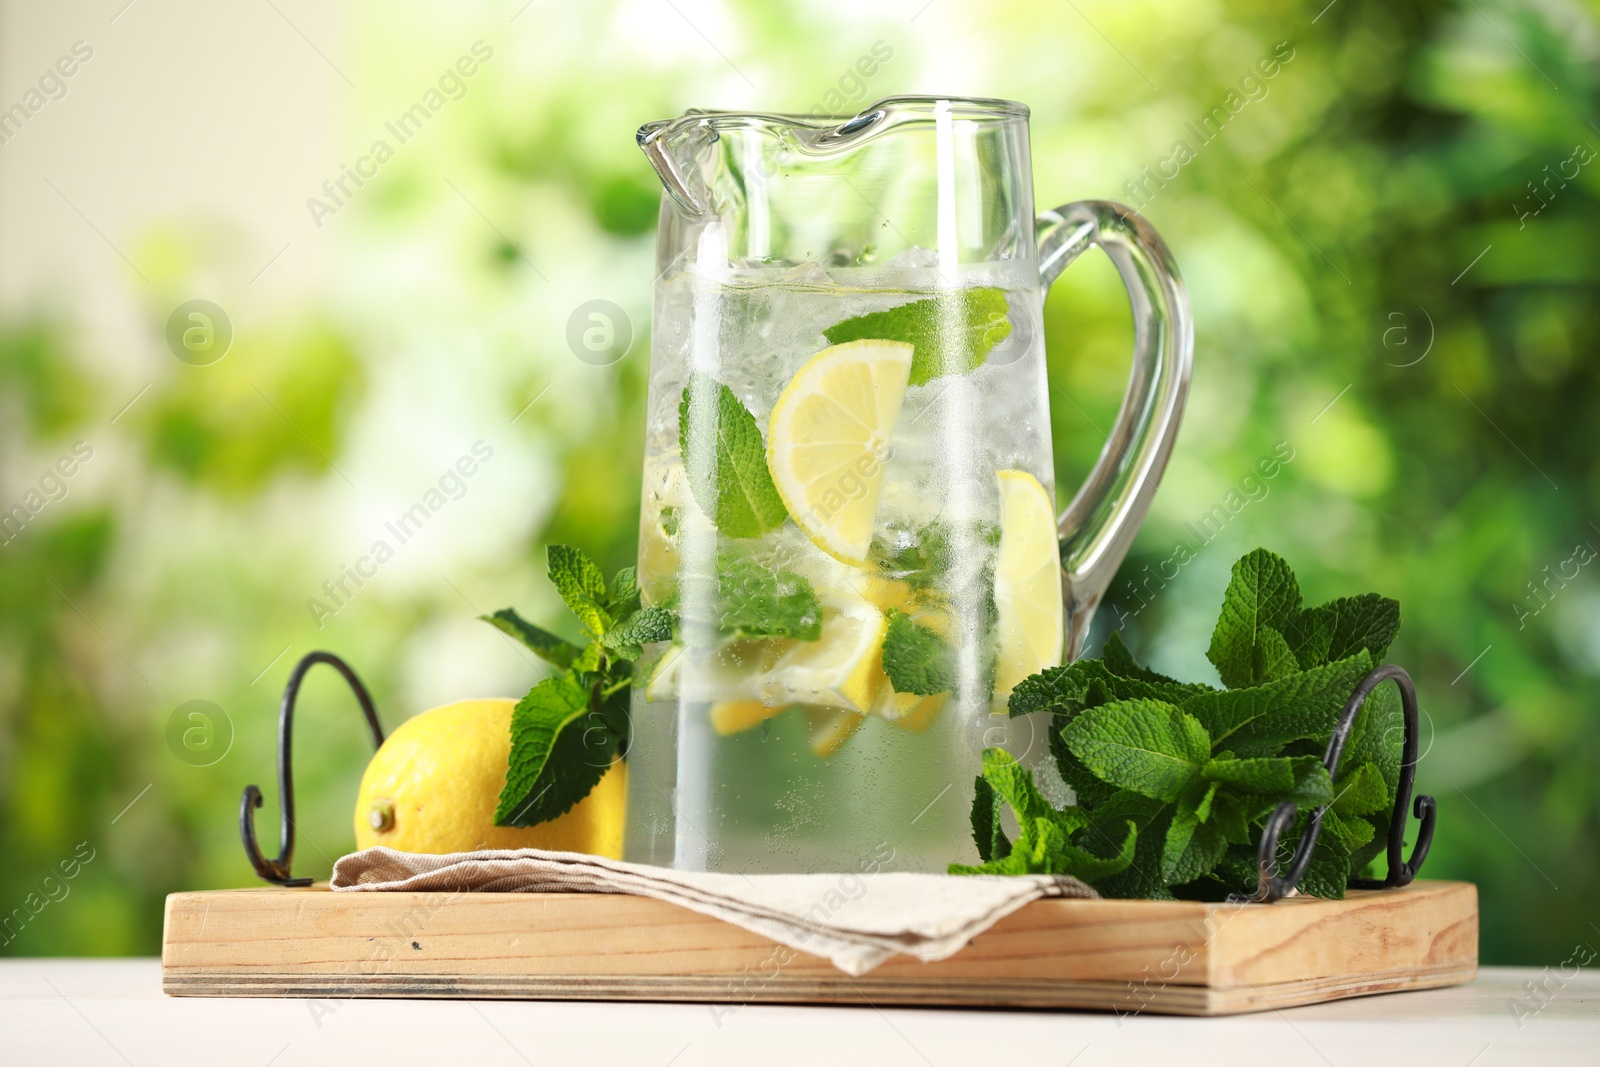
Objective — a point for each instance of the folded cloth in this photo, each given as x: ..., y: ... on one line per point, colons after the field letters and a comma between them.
x: 856, y: 920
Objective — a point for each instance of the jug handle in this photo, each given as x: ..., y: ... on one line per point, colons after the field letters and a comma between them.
x: 1098, y: 526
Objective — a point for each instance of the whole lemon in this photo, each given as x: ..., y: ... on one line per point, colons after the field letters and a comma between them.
x: 434, y: 783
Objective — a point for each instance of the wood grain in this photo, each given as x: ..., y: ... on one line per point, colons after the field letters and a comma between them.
x: 1158, y: 956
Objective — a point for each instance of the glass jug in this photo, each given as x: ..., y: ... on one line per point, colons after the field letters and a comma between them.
x: 848, y: 478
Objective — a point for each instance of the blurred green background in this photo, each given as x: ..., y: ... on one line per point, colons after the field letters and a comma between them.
x: 1391, y: 247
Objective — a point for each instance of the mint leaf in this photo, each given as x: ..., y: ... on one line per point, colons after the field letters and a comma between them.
x: 1271, y: 659
x: 1361, y: 792
x: 1089, y: 683
x: 1239, y: 870
x: 1147, y: 746
x: 1263, y: 592
x: 1368, y: 621
x: 1202, y: 807
x: 1193, y: 846
x: 1329, y: 870
x: 924, y: 559
x: 1310, y: 636
x: 1232, y: 815
x: 1086, y: 866
x: 561, y: 745
x: 756, y: 601
x: 1043, y: 843
x: 624, y: 599
x: 645, y: 626
x: 554, y: 650
x: 1034, y: 853
x: 1376, y: 739
x: 1074, y: 687
x: 916, y: 659
x: 726, y: 460
x: 1313, y: 788
x: 1302, y: 779
x: 1268, y: 775
x: 1377, y: 735
x: 588, y: 661
x: 991, y: 839
x: 1341, y: 628
x: 1087, y: 790
x: 1261, y: 720
x: 1119, y: 660
x: 950, y: 334
x: 1151, y: 819
x: 581, y: 585
x: 1352, y: 831
x: 1042, y: 848
x: 1013, y: 783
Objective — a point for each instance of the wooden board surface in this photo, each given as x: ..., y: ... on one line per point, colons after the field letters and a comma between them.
x: 1158, y: 956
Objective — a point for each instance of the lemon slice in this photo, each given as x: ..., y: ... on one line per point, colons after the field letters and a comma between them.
x: 1027, y: 582
x: 737, y: 716
x: 829, y: 729
x: 887, y: 593
x: 828, y: 439
x: 663, y: 683
x: 736, y: 671
x: 667, y: 508
x: 908, y: 710
x: 841, y: 669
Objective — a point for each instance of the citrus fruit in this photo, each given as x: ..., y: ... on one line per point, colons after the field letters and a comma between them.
x: 828, y: 439
x: 842, y: 668
x: 667, y: 507
x: 829, y: 729
x: 737, y: 716
x: 909, y: 711
x: 434, y: 783
x: 735, y: 671
x: 1027, y: 582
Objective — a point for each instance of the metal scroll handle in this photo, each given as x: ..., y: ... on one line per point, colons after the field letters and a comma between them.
x: 1099, y: 525
x: 1401, y: 871
x: 277, y: 871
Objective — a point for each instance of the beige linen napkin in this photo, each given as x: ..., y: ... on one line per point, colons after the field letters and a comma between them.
x: 856, y: 920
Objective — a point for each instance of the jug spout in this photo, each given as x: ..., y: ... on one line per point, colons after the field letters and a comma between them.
x: 709, y: 161
x: 678, y: 150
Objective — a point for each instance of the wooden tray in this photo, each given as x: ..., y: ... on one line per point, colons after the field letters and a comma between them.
x: 1158, y: 956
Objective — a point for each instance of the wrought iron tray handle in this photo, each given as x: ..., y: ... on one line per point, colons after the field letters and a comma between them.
x: 1273, y: 886
x: 277, y: 871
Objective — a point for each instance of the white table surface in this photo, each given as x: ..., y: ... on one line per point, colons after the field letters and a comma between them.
x: 69, y: 1012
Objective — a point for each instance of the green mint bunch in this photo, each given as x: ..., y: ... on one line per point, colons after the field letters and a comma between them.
x: 570, y: 727
x: 1174, y: 780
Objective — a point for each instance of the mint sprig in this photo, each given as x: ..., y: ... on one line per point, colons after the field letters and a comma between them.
x: 1180, y: 777
x: 568, y: 730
